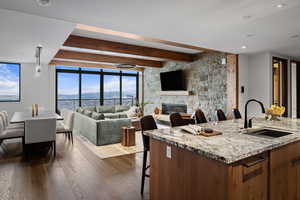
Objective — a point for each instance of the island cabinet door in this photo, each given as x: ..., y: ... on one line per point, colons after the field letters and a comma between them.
x: 285, y: 173
x: 248, y: 180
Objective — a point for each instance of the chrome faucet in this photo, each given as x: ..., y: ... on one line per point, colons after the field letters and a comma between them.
x: 249, y: 124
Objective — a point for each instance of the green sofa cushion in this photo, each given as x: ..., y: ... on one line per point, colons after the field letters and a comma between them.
x: 105, y: 109
x: 87, y: 113
x: 90, y: 108
x: 122, y: 108
x: 80, y: 110
x: 97, y: 116
x: 111, y: 115
x: 123, y: 115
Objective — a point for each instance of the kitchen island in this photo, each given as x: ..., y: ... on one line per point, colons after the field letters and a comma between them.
x: 235, y: 165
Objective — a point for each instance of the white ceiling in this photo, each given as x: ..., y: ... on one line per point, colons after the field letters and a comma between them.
x: 216, y: 24
x: 21, y: 33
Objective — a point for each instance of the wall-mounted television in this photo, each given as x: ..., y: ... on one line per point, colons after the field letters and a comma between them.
x: 171, y: 81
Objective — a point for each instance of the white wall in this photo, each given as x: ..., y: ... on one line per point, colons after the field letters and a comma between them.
x: 259, y: 81
x: 243, y: 81
x: 40, y: 90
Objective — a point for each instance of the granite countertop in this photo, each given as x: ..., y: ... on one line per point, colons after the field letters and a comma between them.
x: 233, y: 145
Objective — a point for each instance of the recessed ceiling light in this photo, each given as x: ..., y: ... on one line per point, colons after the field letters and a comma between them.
x: 44, y: 3
x: 295, y: 36
x: 280, y: 5
x: 250, y: 35
x: 247, y: 17
x: 244, y: 47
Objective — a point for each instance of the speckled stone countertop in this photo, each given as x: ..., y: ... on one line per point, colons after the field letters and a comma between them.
x: 233, y: 145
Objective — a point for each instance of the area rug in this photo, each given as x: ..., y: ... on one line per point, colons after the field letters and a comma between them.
x: 113, y: 150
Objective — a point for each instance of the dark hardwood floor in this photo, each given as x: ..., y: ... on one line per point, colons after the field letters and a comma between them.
x: 75, y: 173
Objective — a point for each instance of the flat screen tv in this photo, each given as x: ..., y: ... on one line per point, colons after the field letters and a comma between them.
x: 171, y: 81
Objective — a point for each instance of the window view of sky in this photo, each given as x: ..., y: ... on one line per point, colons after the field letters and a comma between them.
x: 68, y: 88
x: 9, y: 82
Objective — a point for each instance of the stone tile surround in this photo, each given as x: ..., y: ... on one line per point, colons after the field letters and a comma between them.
x: 205, y: 77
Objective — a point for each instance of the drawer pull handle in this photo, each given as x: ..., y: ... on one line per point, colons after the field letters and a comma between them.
x: 252, y: 174
x: 255, y: 162
x: 296, y: 161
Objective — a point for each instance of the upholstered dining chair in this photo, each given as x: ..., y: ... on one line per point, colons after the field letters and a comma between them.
x: 147, y: 123
x: 236, y: 113
x: 177, y: 120
x: 4, y: 116
x: 66, y: 126
x: 221, y: 115
x: 10, y: 133
x: 200, y: 117
x: 41, y: 130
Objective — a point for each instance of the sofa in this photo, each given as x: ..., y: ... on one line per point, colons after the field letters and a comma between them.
x: 102, y: 125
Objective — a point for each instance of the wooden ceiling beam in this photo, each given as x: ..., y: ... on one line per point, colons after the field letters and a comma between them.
x: 88, y: 65
x: 74, y: 55
x: 104, y: 45
x: 143, y: 38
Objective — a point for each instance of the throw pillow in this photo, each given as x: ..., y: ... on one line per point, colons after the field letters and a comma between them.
x: 97, y: 116
x: 80, y: 110
x: 90, y: 108
x: 121, y: 108
x: 87, y: 113
x: 132, y: 112
x: 105, y: 109
x: 111, y: 115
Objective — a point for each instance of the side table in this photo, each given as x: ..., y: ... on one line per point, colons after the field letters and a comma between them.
x: 128, y: 136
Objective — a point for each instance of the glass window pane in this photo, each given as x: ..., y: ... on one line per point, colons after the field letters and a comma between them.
x: 90, y: 90
x: 67, y: 67
x: 111, y: 90
x: 129, y: 72
x: 111, y: 70
x: 9, y: 82
x: 129, y: 90
x: 67, y: 91
x: 91, y: 69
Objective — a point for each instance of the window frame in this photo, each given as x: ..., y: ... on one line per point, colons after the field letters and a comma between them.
x: 101, y: 73
x: 19, y: 99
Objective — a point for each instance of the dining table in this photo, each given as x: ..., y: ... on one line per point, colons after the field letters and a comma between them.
x: 21, y: 117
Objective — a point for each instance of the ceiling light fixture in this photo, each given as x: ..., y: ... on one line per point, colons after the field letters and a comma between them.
x: 247, y: 17
x: 250, y: 35
x: 44, y: 3
x: 38, y: 68
x: 280, y: 5
x: 295, y: 36
x: 244, y: 47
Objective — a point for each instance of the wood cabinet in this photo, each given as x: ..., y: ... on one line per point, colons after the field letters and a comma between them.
x: 190, y: 176
x: 285, y: 172
x: 249, y: 179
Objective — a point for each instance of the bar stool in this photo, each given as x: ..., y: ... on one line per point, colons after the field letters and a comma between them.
x: 147, y: 123
x: 221, y: 115
x: 177, y: 120
x: 236, y: 113
x: 200, y: 117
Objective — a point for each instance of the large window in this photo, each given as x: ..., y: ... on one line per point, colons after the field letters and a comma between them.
x: 9, y: 82
x: 91, y: 87
x: 111, y: 90
x: 67, y: 90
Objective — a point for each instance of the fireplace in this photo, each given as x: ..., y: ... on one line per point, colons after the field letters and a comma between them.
x: 168, y: 108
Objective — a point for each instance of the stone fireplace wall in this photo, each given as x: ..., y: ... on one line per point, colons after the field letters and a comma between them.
x: 206, y: 78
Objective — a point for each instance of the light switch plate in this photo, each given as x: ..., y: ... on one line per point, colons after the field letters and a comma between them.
x: 169, y: 152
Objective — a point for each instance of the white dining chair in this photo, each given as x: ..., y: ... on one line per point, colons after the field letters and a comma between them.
x: 10, y: 133
x: 66, y: 126
x: 41, y: 130
x: 8, y: 125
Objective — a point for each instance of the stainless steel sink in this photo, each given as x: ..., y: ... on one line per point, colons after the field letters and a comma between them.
x: 268, y: 133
